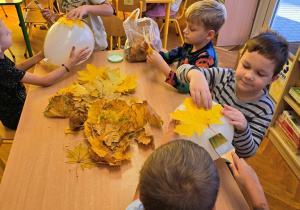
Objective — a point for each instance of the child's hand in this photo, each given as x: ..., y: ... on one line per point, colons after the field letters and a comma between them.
x: 155, y: 59
x: 242, y: 172
x: 77, y: 13
x: 77, y: 56
x: 47, y: 14
x: 145, y: 46
x: 199, y: 89
x: 237, y: 118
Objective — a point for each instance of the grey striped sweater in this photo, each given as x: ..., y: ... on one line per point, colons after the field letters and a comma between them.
x: 258, y: 112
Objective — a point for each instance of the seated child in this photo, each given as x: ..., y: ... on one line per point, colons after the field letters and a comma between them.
x: 12, y: 77
x: 204, y: 19
x: 242, y: 92
x: 91, y: 10
x: 159, y: 10
x: 181, y: 175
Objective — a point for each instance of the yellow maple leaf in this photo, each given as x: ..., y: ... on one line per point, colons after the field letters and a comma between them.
x: 93, y: 73
x: 81, y: 156
x: 128, y: 84
x: 70, y: 23
x: 194, y: 119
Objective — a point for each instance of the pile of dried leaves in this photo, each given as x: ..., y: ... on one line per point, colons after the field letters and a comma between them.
x: 98, y: 101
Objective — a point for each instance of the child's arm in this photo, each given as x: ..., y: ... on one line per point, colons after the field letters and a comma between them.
x: 28, y: 63
x: 52, y: 77
x: 199, y: 88
x: 237, y: 119
x: 155, y: 59
x: 251, y: 122
x: 104, y: 9
x: 247, y: 177
x: 49, y: 15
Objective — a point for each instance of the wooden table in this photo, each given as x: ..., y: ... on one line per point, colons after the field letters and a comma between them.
x: 167, y: 17
x: 37, y: 175
x: 21, y: 19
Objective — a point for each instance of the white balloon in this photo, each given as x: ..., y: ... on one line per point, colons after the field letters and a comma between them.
x: 225, y: 129
x: 61, y: 38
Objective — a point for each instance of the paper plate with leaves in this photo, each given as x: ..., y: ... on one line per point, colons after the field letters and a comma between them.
x: 199, y: 125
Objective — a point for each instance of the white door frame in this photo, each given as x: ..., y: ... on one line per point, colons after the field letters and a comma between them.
x: 264, y: 15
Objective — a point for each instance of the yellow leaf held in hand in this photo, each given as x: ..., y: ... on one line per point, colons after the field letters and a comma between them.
x: 81, y: 156
x: 150, y: 49
x: 194, y: 119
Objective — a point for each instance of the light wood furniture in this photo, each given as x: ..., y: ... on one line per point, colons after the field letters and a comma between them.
x: 114, y: 28
x: 287, y: 103
x: 37, y: 175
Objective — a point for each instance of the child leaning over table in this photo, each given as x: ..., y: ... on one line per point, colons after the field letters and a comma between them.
x: 204, y: 19
x: 242, y: 92
x: 181, y: 175
x: 91, y: 10
x: 12, y: 77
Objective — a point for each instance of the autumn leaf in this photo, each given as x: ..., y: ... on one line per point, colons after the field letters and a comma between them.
x: 81, y: 156
x: 59, y: 106
x: 128, y: 84
x: 150, y: 49
x: 98, y: 103
x: 194, y: 119
x: 70, y: 23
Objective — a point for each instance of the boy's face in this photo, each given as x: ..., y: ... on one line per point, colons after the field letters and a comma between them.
x: 5, y: 37
x: 254, y: 73
x: 195, y: 33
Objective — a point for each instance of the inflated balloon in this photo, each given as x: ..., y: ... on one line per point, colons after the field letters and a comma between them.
x: 65, y: 34
x: 225, y: 129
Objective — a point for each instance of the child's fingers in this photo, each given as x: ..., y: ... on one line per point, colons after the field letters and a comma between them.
x: 196, y: 96
x: 236, y: 160
x: 234, y: 169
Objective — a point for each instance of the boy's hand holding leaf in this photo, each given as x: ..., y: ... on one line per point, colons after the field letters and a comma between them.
x: 199, y: 89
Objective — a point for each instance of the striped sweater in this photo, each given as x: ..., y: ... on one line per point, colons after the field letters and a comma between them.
x: 258, y: 113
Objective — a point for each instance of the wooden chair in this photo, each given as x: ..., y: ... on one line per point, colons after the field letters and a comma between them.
x: 179, y: 14
x: 6, y: 137
x: 33, y: 17
x: 128, y: 6
x: 116, y: 31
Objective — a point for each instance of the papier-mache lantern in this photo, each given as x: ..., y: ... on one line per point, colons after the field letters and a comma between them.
x: 65, y: 34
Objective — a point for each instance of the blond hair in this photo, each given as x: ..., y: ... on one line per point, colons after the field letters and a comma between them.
x: 210, y: 13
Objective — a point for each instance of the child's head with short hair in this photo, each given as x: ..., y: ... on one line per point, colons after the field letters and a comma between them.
x: 210, y: 13
x: 270, y: 45
x: 179, y: 175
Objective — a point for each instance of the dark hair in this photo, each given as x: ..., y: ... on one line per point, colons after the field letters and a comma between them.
x: 272, y: 46
x: 179, y: 175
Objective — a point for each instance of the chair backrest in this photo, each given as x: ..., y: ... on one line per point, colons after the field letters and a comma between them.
x: 129, y: 5
x: 116, y: 22
x: 116, y: 31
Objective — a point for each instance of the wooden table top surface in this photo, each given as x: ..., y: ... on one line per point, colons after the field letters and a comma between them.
x: 37, y: 175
